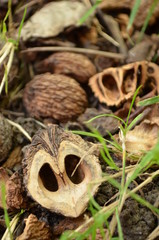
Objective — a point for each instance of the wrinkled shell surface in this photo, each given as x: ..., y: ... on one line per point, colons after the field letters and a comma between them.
x: 54, y: 96
x: 35, y: 229
x: 115, y: 85
x: 74, y: 65
x: 14, y: 191
x: 48, y: 165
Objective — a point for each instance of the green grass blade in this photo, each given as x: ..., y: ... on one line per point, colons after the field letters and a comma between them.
x: 120, y: 232
x: 89, y: 12
x: 132, y: 103
x: 144, y: 202
x: 133, y: 14
x: 96, y: 135
x: 106, y: 115
x: 21, y: 25
x: 149, y: 101
x: 134, y: 122
x: 6, y: 216
x: 150, y: 12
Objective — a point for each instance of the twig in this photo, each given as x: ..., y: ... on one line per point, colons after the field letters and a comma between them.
x: 5, y: 51
x: 13, y: 224
x: 20, y: 128
x: 154, y: 234
x: 79, y: 50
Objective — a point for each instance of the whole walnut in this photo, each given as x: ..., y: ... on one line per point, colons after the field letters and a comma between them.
x: 54, y: 96
x: 74, y: 65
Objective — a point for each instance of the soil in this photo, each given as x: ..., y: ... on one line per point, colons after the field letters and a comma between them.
x: 137, y: 221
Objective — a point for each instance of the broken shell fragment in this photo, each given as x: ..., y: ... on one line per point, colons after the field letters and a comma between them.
x: 142, y: 138
x: 54, y: 96
x: 35, y: 229
x: 14, y: 190
x: 116, y: 85
x: 58, y: 168
x: 74, y: 65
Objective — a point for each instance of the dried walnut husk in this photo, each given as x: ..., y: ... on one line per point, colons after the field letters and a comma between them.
x: 35, y: 229
x: 48, y: 166
x: 54, y: 96
x: 116, y: 85
x: 74, y: 65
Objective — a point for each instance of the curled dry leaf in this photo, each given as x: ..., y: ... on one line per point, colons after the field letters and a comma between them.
x: 115, y: 85
x: 142, y: 138
x: 6, y: 135
x: 35, y: 229
x: 144, y: 50
x: 48, y: 166
x: 68, y: 224
x: 54, y: 96
x: 74, y: 65
x: 14, y: 191
x: 52, y: 19
x: 14, y: 158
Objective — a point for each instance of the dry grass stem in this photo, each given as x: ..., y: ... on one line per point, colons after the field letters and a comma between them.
x: 13, y: 224
x: 8, y: 67
x: 77, y: 50
x: 154, y: 234
x: 21, y: 129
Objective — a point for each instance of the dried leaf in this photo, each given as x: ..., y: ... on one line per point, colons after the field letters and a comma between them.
x: 142, y: 138
x: 35, y: 229
x: 52, y: 19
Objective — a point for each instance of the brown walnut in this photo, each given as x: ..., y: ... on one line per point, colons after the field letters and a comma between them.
x: 48, y: 166
x: 74, y: 65
x: 54, y: 96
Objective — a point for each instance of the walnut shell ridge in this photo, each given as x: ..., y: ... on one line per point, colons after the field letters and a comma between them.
x: 54, y: 96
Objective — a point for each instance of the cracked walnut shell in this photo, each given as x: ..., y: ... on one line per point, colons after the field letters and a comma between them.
x: 54, y: 96
x: 74, y: 65
x: 116, y: 85
x: 58, y: 167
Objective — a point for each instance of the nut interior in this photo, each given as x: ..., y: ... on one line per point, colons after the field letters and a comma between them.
x: 128, y: 81
x: 71, y: 162
x: 111, y: 87
x: 47, y: 177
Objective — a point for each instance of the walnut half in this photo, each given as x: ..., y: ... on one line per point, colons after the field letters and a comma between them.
x: 48, y: 166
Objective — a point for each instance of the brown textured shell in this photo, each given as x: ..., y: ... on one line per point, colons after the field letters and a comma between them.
x: 47, y: 167
x: 74, y: 65
x: 115, y: 85
x: 35, y: 229
x: 54, y: 96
